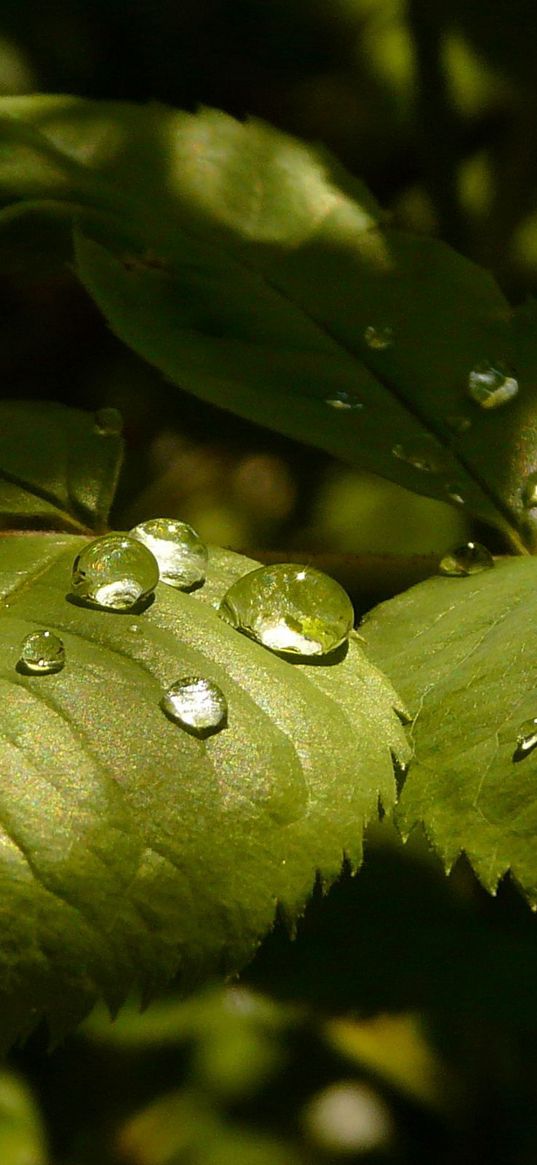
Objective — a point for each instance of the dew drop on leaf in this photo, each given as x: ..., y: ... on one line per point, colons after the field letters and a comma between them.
x: 197, y: 704
x: 114, y: 572
x: 529, y: 492
x: 454, y: 493
x: 471, y: 558
x: 491, y: 385
x: 425, y: 454
x: 181, y: 555
x: 290, y: 608
x: 526, y: 738
x: 345, y: 401
x: 378, y: 338
x: 42, y: 653
x: 108, y: 422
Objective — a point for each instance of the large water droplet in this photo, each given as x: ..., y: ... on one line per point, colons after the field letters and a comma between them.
x: 345, y: 401
x: 42, y: 653
x: 114, y: 572
x: 108, y: 422
x: 197, y: 704
x: 181, y: 555
x: 379, y: 338
x: 529, y: 492
x: 491, y: 385
x: 290, y: 608
x: 526, y: 738
x: 471, y: 558
x: 423, y: 453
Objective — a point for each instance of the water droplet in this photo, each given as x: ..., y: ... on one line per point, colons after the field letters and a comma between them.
x: 197, y: 704
x: 459, y: 424
x: 491, y: 385
x: 114, y: 572
x: 526, y: 738
x: 454, y: 493
x: 529, y: 492
x: 471, y: 558
x: 424, y: 453
x: 343, y: 401
x: 290, y: 608
x: 42, y: 653
x: 180, y: 553
x: 108, y: 422
x: 378, y: 338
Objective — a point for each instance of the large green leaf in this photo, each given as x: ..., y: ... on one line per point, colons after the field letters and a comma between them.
x: 129, y: 848
x: 256, y: 268
x: 58, y: 467
x: 463, y: 654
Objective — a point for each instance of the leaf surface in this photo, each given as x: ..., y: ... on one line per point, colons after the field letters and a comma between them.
x: 129, y: 848
x: 57, y: 469
x: 256, y: 268
x: 463, y: 654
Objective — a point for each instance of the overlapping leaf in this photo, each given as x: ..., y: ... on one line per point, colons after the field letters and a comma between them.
x: 58, y: 467
x: 255, y: 270
x: 129, y: 848
x: 463, y: 653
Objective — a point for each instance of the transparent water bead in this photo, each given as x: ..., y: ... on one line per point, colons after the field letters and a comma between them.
x: 529, y: 492
x: 197, y: 704
x: 471, y: 558
x: 424, y: 453
x: 114, y: 572
x: 491, y: 385
x: 379, y: 338
x: 42, y: 653
x: 290, y: 608
x: 345, y: 401
x: 454, y: 493
x: 181, y: 555
x: 108, y: 422
x: 526, y: 737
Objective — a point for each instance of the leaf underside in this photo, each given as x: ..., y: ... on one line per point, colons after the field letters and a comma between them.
x: 131, y: 850
x: 247, y: 267
x: 463, y: 655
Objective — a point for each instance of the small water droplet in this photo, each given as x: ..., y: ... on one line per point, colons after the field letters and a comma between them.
x: 454, y: 493
x: 181, y: 555
x: 526, y: 738
x: 459, y: 424
x: 379, y: 338
x: 290, y: 608
x: 345, y: 401
x: 42, y: 653
x: 529, y: 492
x: 424, y: 453
x: 471, y: 558
x: 197, y: 704
x: 491, y: 385
x: 108, y: 422
x: 114, y: 572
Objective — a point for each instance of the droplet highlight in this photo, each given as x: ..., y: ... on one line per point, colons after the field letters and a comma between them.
x: 290, y: 608
x: 108, y: 423
x: 526, y: 739
x: 529, y: 491
x: 42, y: 653
x: 197, y: 704
x: 181, y: 555
x: 344, y: 401
x: 379, y: 339
x: 455, y: 494
x: 491, y: 385
x: 114, y: 572
x: 472, y: 558
x: 424, y: 454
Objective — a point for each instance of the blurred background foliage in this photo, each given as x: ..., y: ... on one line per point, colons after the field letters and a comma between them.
x: 405, y: 1041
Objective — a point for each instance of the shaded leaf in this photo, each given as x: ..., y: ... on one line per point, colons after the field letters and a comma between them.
x: 130, y: 848
x: 463, y: 652
x: 259, y: 268
x: 56, y: 469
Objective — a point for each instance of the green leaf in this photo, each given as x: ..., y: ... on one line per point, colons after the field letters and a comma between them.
x: 131, y: 849
x: 57, y: 469
x: 258, y: 269
x: 463, y: 654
